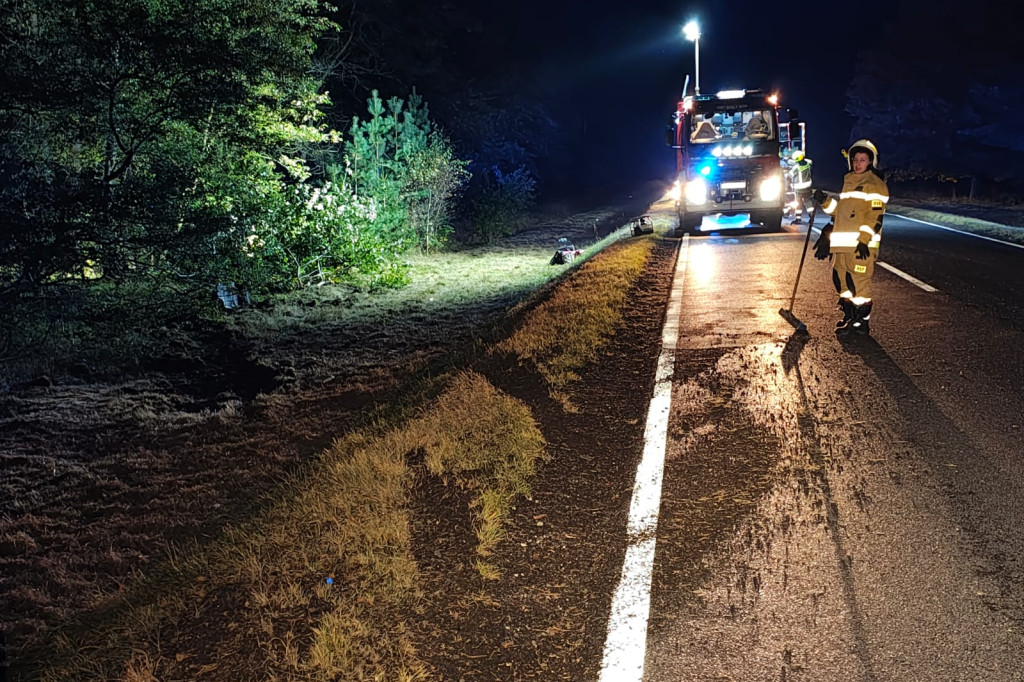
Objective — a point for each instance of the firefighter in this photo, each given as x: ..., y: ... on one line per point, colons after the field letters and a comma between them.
x: 800, y: 181
x: 853, y: 237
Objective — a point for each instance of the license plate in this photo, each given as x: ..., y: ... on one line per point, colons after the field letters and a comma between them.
x: 734, y: 185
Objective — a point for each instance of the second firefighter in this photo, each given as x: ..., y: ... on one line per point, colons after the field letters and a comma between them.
x: 800, y: 180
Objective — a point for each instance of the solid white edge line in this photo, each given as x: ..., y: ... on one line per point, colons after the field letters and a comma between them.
x: 625, y: 645
x: 910, y: 278
x: 953, y: 229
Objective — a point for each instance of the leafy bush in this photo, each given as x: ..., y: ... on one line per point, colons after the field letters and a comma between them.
x: 435, y: 178
x: 322, y: 235
x: 150, y: 151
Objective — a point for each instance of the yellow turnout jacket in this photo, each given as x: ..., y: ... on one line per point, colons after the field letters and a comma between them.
x: 857, y: 212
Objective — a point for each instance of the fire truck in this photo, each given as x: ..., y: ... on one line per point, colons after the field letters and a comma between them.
x: 730, y: 151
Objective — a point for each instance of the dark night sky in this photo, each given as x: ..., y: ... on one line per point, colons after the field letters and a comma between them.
x: 617, y: 68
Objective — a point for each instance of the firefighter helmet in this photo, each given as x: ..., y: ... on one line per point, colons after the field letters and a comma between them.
x: 797, y: 155
x: 862, y: 145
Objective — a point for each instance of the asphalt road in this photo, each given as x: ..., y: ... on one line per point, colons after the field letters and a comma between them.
x: 843, y: 509
x: 979, y: 272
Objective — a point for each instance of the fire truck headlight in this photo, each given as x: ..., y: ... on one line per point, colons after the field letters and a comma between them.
x: 716, y: 152
x: 676, y: 192
x: 696, y: 191
x: 748, y: 150
x: 771, y: 188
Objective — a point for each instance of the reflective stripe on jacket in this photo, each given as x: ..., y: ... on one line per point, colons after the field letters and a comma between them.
x: 858, y: 212
x: 800, y: 174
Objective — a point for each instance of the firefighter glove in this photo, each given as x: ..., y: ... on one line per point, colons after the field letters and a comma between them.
x: 820, y: 196
x: 821, y: 250
x: 862, y: 251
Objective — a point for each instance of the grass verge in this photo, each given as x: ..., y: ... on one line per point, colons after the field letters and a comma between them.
x: 314, y: 589
x: 1008, y: 233
x: 568, y: 330
x: 316, y: 586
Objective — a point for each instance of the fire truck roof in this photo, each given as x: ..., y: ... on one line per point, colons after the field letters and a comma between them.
x: 728, y: 100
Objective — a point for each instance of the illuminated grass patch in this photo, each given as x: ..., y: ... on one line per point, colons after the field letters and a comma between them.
x: 485, y: 441
x: 566, y: 332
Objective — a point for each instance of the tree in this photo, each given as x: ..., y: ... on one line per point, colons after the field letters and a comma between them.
x: 507, y: 139
x: 99, y: 93
x: 388, y: 46
x: 397, y: 156
x: 499, y: 208
x: 939, y: 96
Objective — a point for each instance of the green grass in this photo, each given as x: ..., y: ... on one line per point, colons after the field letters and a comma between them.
x: 478, y: 281
x: 470, y: 286
x: 118, y: 330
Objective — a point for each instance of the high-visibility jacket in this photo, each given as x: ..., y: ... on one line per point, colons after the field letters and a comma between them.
x: 857, y: 212
x: 800, y: 175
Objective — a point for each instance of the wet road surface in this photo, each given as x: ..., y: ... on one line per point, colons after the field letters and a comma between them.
x: 843, y: 509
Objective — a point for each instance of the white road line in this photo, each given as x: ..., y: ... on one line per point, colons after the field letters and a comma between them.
x: 625, y: 645
x: 909, y: 278
x: 951, y: 229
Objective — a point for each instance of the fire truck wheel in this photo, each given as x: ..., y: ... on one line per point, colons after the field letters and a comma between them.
x: 688, y: 224
x: 771, y: 220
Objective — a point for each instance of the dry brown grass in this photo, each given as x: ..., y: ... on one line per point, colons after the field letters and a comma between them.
x: 314, y: 586
x: 567, y: 331
x: 487, y: 442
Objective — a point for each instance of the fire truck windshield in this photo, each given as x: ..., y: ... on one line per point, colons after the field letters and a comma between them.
x: 754, y: 124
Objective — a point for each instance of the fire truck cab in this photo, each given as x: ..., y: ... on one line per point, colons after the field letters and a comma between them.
x: 728, y: 151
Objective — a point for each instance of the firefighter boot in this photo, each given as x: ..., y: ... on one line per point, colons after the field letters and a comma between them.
x: 860, y: 324
x: 849, y: 309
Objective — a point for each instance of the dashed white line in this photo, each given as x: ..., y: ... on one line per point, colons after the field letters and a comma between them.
x: 625, y: 644
x: 910, y: 278
x: 952, y: 229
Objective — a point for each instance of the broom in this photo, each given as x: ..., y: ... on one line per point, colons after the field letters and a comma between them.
x: 787, y: 313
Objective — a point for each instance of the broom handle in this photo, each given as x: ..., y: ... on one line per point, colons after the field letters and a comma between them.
x: 803, y: 255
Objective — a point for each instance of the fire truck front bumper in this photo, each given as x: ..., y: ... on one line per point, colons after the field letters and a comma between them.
x: 733, y: 196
